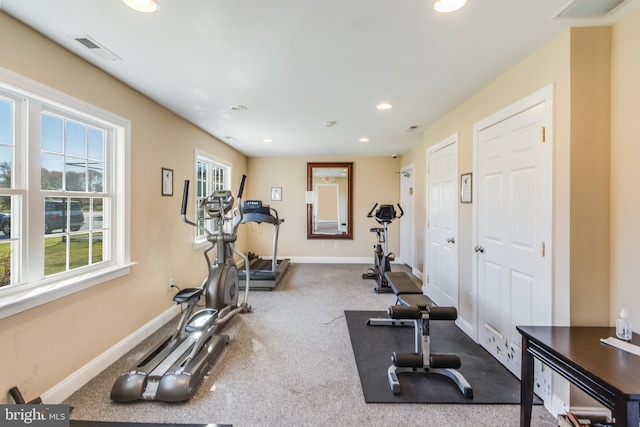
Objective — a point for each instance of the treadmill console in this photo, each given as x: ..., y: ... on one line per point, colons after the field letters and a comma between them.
x: 254, y: 206
x: 255, y: 211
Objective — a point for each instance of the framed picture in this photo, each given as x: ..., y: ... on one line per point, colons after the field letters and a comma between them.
x: 167, y: 182
x: 276, y: 193
x: 465, y: 188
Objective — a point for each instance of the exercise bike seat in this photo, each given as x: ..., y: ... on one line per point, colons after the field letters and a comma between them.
x: 185, y: 295
x: 377, y: 230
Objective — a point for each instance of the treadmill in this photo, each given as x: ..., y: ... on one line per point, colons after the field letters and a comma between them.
x: 264, y: 274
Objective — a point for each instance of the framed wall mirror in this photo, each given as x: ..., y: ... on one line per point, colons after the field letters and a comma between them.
x: 329, y: 201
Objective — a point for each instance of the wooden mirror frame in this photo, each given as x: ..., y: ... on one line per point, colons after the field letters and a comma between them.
x: 348, y: 234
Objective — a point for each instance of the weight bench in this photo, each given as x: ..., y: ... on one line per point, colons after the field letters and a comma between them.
x: 413, y: 308
x: 407, y: 292
x: 421, y: 361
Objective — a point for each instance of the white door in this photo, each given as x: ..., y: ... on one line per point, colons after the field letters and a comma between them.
x: 441, y: 265
x: 513, y: 211
x: 406, y: 223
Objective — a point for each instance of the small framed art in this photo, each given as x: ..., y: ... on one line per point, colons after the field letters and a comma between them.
x: 167, y: 182
x: 276, y: 193
x: 465, y: 188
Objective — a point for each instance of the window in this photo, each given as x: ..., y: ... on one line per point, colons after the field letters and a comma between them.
x: 211, y: 175
x: 63, y: 194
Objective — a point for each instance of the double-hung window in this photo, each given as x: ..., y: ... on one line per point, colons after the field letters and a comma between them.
x: 63, y: 194
x: 211, y: 175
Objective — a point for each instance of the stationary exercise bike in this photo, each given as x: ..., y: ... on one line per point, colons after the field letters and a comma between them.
x: 382, y: 259
x: 173, y: 371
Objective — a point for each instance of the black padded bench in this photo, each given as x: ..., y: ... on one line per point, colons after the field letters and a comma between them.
x: 401, y: 283
x: 407, y: 291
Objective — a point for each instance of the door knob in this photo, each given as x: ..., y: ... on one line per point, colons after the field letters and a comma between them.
x: 479, y: 249
x: 451, y: 240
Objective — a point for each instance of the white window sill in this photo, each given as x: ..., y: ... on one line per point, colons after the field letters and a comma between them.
x: 20, y: 301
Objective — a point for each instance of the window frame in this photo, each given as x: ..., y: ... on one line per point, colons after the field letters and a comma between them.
x: 34, y: 288
x: 199, y: 240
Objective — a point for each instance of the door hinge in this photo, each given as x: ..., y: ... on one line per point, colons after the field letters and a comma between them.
x: 542, y: 249
x: 428, y: 170
x: 428, y: 278
x: 544, y: 134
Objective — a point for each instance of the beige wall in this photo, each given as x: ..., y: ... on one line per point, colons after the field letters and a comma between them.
x: 44, y: 345
x: 589, y: 182
x: 625, y: 173
x: 375, y: 179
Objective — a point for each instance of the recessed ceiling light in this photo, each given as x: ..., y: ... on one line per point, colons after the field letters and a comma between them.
x: 330, y: 123
x: 445, y: 6
x: 384, y: 106
x: 364, y: 140
x: 238, y: 108
x: 267, y: 140
x: 146, y: 6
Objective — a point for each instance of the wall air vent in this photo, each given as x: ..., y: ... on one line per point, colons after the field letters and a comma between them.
x: 581, y: 9
x: 96, y: 48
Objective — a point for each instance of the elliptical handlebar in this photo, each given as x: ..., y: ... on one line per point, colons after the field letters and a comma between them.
x: 237, y: 218
x: 185, y: 195
x: 401, y: 211
x: 241, y: 189
x: 183, y: 211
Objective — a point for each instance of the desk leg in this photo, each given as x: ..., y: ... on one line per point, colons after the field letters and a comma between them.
x: 526, y: 385
x: 627, y: 413
x: 633, y: 413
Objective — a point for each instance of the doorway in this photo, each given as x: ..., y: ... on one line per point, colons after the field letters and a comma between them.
x: 512, y: 228
x: 441, y: 251
x: 406, y: 222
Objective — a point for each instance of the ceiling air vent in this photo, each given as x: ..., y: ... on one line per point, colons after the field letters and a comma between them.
x: 581, y: 9
x: 412, y: 128
x: 96, y: 48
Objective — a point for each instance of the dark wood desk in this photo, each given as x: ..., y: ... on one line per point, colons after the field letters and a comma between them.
x: 608, y: 374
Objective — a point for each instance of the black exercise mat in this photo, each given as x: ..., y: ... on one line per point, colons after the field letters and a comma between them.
x: 373, y: 346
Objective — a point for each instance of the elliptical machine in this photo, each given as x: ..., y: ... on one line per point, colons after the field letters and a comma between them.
x: 385, y: 215
x: 173, y: 371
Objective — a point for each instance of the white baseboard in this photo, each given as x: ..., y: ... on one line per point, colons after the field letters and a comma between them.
x: 466, y: 327
x: 69, y: 385
x: 331, y: 260
x: 338, y: 260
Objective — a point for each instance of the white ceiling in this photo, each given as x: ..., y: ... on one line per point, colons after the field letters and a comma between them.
x: 296, y: 64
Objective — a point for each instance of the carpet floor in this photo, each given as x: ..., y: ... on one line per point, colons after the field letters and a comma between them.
x: 289, y: 362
